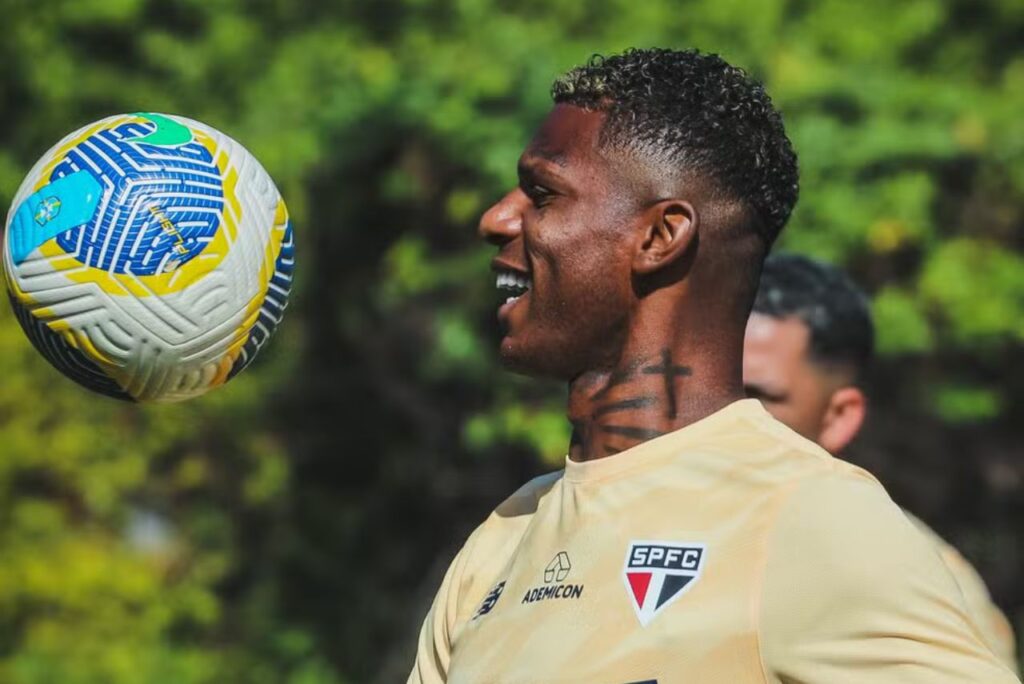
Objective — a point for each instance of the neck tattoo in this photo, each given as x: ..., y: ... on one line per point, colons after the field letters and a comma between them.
x: 635, y: 403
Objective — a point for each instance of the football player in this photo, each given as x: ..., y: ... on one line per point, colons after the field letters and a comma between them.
x: 691, y: 537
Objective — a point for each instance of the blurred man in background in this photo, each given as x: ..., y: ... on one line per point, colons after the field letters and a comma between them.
x: 808, y: 345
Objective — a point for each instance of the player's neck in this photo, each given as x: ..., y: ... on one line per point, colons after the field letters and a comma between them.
x: 651, y: 391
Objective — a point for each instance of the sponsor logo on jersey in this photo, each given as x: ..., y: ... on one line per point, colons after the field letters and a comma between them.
x: 492, y: 598
x: 558, y: 569
x: 554, y: 575
x: 657, y: 573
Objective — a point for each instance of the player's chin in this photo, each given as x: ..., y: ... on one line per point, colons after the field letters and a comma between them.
x: 520, y: 356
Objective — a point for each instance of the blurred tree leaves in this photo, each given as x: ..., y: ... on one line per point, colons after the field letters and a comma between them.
x: 293, y: 522
x: 978, y: 290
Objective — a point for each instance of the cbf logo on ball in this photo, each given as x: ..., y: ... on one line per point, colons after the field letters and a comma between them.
x: 659, y: 572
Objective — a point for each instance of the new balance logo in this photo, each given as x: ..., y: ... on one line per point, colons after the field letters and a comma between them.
x: 492, y: 598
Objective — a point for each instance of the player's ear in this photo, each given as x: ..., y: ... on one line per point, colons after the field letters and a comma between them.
x: 669, y: 228
x: 844, y: 416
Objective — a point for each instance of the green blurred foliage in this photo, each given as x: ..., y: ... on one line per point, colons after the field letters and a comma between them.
x: 290, y: 527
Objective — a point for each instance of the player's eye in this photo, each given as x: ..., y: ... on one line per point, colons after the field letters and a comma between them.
x: 538, y: 194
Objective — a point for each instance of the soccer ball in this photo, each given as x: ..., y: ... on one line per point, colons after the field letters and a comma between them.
x: 148, y: 257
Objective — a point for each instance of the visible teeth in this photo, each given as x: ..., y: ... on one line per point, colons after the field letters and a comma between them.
x: 507, y: 280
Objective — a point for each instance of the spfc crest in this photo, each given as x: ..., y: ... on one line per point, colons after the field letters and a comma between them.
x: 659, y: 572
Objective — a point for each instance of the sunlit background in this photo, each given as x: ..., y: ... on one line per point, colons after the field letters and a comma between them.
x: 292, y: 526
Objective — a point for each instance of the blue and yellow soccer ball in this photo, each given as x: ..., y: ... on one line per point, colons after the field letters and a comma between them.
x: 148, y: 257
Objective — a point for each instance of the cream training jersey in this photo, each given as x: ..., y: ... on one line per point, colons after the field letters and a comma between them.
x: 729, y: 552
x: 994, y: 628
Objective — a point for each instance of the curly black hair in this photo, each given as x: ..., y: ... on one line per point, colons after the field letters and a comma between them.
x: 822, y: 297
x: 698, y: 113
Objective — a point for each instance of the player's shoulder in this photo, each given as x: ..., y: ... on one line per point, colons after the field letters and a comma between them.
x: 525, y: 500
x: 483, y: 557
x: 824, y: 492
x: 818, y: 495
x: 840, y: 515
x: 755, y: 445
x: 504, y: 527
x: 842, y: 561
x: 511, y: 517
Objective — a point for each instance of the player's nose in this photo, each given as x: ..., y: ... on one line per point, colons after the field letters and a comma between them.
x: 504, y: 220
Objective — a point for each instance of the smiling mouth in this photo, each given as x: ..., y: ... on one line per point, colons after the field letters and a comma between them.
x: 512, y: 284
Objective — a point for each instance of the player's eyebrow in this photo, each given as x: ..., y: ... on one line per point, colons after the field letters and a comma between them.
x: 533, y: 166
x: 539, y: 152
x: 531, y: 173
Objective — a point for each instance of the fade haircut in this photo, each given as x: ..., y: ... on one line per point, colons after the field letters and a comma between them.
x: 822, y: 297
x: 693, y: 112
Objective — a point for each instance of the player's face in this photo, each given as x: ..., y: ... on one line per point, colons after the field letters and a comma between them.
x: 563, y: 265
x: 777, y: 370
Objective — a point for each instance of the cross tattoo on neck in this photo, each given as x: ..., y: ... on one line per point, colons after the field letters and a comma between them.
x: 669, y: 373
